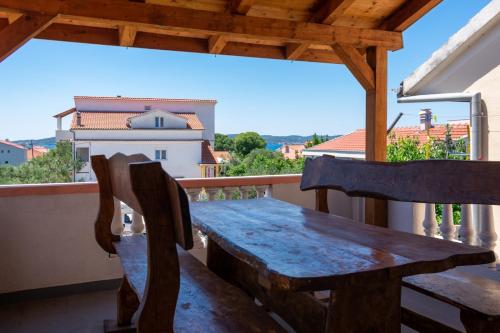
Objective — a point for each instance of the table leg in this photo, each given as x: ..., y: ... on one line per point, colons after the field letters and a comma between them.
x: 371, y: 307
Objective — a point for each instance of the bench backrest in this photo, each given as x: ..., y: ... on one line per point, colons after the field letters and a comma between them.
x: 145, y: 187
x: 430, y: 181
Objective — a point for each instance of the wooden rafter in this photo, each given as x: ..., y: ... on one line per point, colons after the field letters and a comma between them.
x: 408, y: 14
x: 216, y: 44
x: 294, y: 51
x: 357, y: 64
x: 72, y: 33
x: 331, y: 10
x: 148, y: 15
x: 126, y: 35
x: 21, y: 31
x: 241, y: 6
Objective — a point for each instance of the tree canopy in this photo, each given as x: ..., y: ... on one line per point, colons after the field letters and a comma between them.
x: 245, y: 142
x: 265, y: 162
x: 223, y: 142
x: 57, y: 166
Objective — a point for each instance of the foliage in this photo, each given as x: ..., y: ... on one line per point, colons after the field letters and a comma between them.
x: 316, y: 140
x: 245, y: 142
x: 223, y: 142
x: 57, y: 166
x: 410, y: 149
x: 264, y: 162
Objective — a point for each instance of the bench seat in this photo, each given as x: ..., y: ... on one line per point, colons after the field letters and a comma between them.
x: 206, y: 303
x: 464, y: 288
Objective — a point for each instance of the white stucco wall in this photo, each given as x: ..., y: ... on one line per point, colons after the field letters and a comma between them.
x: 204, y: 110
x: 147, y: 120
x: 183, y: 157
x: 139, y: 134
x: 10, y: 155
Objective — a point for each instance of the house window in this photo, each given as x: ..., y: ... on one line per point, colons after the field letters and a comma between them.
x: 6, y: 162
x: 147, y: 107
x: 82, y: 154
x: 8, y: 151
x: 159, y: 122
x: 160, y: 154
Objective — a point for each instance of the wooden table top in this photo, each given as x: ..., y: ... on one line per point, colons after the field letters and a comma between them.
x: 295, y: 248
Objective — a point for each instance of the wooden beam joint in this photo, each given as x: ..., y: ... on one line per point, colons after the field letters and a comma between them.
x: 126, y: 35
x: 216, y: 44
x: 294, y: 51
x: 357, y: 64
x: 330, y: 11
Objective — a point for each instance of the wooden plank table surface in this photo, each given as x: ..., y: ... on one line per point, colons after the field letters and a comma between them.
x: 298, y: 249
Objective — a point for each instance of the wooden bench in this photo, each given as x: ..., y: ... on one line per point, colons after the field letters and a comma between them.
x: 164, y: 287
x: 436, y: 181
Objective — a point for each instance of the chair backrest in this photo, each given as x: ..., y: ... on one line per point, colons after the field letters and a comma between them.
x: 430, y: 181
x: 145, y: 187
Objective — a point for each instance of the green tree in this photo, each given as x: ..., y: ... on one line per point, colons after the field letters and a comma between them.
x: 57, y: 166
x: 223, y: 142
x: 316, y: 140
x: 244, y: 143
x: 265, y: 162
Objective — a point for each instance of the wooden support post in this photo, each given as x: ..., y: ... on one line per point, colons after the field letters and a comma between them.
x: 21, y: 31
x: 376, y: 128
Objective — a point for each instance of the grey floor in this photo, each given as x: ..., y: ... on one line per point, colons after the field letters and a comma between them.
x: 81, y: 313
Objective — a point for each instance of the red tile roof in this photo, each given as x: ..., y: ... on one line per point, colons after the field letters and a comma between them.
x: 207, y: 153
x: 92, y: 120
x: 355, y: 141
x: 147, y: 99
x: 224, y: 155
x: 12, y: 144
x: 37, y: 151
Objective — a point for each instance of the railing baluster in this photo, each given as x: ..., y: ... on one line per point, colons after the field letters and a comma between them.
x: 447, y: 227
x: 466, y: 231
x: 117, y: 223
x: 193, y: 194
x: 228, y: 192
x: 261, y: 190
x: 137, y: 225
x: 211, y: 193
x: 487, y: 234
x: 245, y: 191
x: 430, y: 222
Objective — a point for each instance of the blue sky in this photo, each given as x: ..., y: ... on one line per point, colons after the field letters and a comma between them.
x: 267, y: 96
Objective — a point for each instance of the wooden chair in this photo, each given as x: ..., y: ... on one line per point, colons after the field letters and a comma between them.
x: 164, y: 286
x: 435, y: 181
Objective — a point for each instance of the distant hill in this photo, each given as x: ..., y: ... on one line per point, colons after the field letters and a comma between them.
x: 47, y: 142
x: 276, y: 141
x: 273, y: 141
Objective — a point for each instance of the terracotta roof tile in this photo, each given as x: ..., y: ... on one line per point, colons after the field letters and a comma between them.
x: 207, y: 153
x: 92, y: 120
x: 146, y: 99
x: 355, y: 141
x: 15, y: 145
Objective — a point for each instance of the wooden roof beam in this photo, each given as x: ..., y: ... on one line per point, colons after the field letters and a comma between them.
x: 357, y: 64
x: 408, y: 14
x: 184, y: 19
x: 126, y: 35
x: 216, y: 44
x: 240, y: 6
x: 294, y: 51
x: 21, y: 31
x: 331, y: 10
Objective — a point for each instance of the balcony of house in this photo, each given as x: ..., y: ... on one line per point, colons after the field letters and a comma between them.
x: 55, y: 277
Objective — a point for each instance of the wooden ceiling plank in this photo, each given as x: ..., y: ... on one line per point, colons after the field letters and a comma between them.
x: 408, y: 14
x: 126, y: 35
x: 212, y: 23
x: 331, y: 10
x: 21, y: 31
x: 357, y: 64
x: 294, y: 51
x: 241, y: 6
x: 216, y: 44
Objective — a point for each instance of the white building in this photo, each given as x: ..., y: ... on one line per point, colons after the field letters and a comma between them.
x: 177, y: 132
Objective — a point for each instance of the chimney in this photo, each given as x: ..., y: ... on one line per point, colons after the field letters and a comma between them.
x: 425, y: 116
x: 78, y: 119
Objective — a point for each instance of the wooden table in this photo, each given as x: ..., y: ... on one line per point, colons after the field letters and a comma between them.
x: 292, y: 248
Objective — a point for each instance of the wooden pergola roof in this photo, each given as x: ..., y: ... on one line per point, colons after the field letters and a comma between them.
x: 357, y: 33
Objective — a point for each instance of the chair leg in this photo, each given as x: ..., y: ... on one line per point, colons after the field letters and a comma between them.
x: 128, y: 303
x: 474, y: 323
